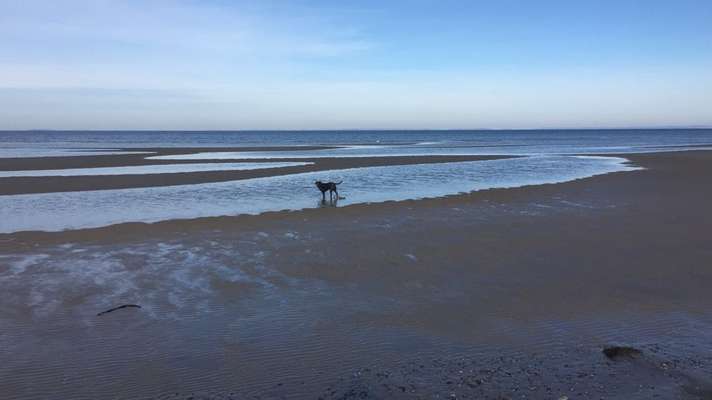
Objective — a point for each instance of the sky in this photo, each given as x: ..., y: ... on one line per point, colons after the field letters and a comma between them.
x: 421, y: 64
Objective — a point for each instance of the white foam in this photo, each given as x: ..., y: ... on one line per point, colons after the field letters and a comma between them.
x: 154, y: 275
x: 20, y: 266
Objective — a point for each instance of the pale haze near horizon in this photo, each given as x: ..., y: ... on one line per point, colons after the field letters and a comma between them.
x: 191, y: 65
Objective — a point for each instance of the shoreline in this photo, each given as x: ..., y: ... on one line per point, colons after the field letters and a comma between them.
x: 54, y: 184
x: 133, y: 229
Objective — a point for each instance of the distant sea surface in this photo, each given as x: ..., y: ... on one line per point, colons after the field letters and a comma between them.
x: 14, y: 143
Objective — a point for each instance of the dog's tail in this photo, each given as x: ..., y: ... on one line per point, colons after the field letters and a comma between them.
x: 339, y: 183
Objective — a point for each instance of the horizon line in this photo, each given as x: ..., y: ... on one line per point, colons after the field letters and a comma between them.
x: 701, y: 127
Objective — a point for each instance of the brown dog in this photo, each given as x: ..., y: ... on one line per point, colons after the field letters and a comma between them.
x: 327, y: 186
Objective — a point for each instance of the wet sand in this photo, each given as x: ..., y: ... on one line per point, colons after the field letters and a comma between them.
x: 26, y: 185
x: 507, y: 293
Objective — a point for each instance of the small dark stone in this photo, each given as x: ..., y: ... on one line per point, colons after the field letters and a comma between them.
x: 615, y: 352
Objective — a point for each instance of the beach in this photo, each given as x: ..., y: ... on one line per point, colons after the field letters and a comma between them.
x: 502, y: 293
x: 318, y: 200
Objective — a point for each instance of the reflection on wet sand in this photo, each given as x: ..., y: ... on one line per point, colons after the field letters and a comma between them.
x: 328, y: 203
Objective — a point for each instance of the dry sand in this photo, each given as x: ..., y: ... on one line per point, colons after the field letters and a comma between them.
x: 496, y: 294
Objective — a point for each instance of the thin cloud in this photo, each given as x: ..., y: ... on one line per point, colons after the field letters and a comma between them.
x: 178, y: 27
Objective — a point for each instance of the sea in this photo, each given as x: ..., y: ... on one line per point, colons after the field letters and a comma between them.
x: 47, y: 143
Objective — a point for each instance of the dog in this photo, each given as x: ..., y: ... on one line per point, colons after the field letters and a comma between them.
x: 328, y: 186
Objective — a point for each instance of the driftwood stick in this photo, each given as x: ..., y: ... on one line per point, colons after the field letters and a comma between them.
x: 118, y: 308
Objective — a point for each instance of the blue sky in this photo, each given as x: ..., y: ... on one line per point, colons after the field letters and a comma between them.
x: 218, y: 64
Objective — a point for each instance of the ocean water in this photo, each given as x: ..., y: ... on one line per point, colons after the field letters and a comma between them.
x: 13, y: 143
x: 542, y: 157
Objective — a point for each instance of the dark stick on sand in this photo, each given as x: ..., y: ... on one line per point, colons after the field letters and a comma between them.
x: 118, y: 308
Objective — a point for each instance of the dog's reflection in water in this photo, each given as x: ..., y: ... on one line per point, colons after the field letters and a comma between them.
x: 333, y: 202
